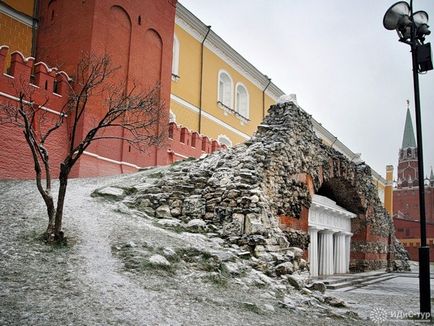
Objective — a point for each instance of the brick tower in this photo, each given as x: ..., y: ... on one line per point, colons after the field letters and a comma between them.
x: 406, y: 213
x: 138, y: 37
x: 407, y: 163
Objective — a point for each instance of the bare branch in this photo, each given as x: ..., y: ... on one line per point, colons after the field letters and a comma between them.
x: 97, y: 109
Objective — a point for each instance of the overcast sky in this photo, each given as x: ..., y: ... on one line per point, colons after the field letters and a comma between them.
x: 349, y: 72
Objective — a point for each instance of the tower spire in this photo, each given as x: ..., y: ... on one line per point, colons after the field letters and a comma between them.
x: 408, y: 139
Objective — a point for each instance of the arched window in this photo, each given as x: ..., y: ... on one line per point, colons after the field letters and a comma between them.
x: 224, y: 140
x: 409, y: 152
x: 175, y: 57
x: 242, y: 100
x: 225, y: 89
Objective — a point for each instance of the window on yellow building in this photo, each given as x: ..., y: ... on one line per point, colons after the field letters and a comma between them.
x: 242, y: 100
x: 225, y: 89
x: 175, y: 58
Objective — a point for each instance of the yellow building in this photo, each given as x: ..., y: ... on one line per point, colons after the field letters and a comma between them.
x: 218, y: 93
x: 17, y: 25
x: 215, y: 91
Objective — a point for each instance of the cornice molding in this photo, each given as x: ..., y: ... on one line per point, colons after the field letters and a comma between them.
x: 196, y: 28
x: 22, y: 18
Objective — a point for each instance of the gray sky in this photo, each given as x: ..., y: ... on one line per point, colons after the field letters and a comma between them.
x: 348, y: 71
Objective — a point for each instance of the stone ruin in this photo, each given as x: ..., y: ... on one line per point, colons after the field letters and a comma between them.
x: 257, y: 195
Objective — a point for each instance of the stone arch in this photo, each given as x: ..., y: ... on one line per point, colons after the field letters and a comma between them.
x: 153, y: 57
x: 52, y: 8
x: 118, y: 42
x: 343, y: 192
x: 117, y: 47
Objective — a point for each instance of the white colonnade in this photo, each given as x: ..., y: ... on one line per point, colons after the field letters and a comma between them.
x: 330, y: 237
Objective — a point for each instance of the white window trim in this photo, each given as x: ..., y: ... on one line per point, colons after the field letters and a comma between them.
x: 247, y: 100
x: 222, y: 71
x: 175, y: 58
x: 226, y: 140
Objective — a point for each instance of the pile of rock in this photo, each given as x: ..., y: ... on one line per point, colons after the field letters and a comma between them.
x: 239, y: 193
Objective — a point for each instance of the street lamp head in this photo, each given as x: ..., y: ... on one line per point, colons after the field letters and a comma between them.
x: 400, y: 17
x: 420, y: 18
x: 397, y: 16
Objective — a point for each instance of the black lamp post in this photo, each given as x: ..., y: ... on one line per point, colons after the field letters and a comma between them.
x: 412, y: 29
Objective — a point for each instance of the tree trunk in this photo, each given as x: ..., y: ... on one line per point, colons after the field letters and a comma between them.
x: 63, y: 179
x: 50, y: 212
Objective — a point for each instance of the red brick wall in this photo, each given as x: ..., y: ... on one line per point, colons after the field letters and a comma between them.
x: 138, y: 36
x: 406, y: 202
x: 184, y: 143
x: 409, y: 234
x: 15, y: 156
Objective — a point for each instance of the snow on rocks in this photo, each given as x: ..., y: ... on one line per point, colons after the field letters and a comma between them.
x: 291, y: 98
x: 110, y: 192
x: 296, y: 281
x: 196, y: 224
x: 284, y: 268
x: 158, y: 260
x: 170, y: 222
x: 163, y: 211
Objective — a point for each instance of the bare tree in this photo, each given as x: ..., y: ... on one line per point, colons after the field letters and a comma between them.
x: 138, y: 115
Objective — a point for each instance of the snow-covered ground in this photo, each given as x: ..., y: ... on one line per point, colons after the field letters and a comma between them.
x: 391, y: 302
x: 125, y: 269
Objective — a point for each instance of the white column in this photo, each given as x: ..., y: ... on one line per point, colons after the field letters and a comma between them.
x: 335, y: 253
x: 340, y: 253
x: 320, y: 252
x: 347, y: 251
x: 326, y: 252
x: 313, y: 251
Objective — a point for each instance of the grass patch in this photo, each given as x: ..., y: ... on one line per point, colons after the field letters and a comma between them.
x: 251, y: 307
x: 217, y: 279
x: 174, y: 228
x: 136, y: 258
x: 36, y: 237
x: 146, y: 265
x: 128, y: 191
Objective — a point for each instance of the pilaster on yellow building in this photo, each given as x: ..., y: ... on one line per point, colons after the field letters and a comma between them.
x: 388, y: 192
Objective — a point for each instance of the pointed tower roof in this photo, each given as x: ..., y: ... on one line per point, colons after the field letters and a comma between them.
x: 408, y: 140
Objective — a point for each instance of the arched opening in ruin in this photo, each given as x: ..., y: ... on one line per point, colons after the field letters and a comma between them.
x: 333, y: 215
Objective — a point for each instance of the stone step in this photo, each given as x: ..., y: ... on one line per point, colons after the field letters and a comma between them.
x: 412, y: 274
x: 356, y: 283
x: 350, y: 277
